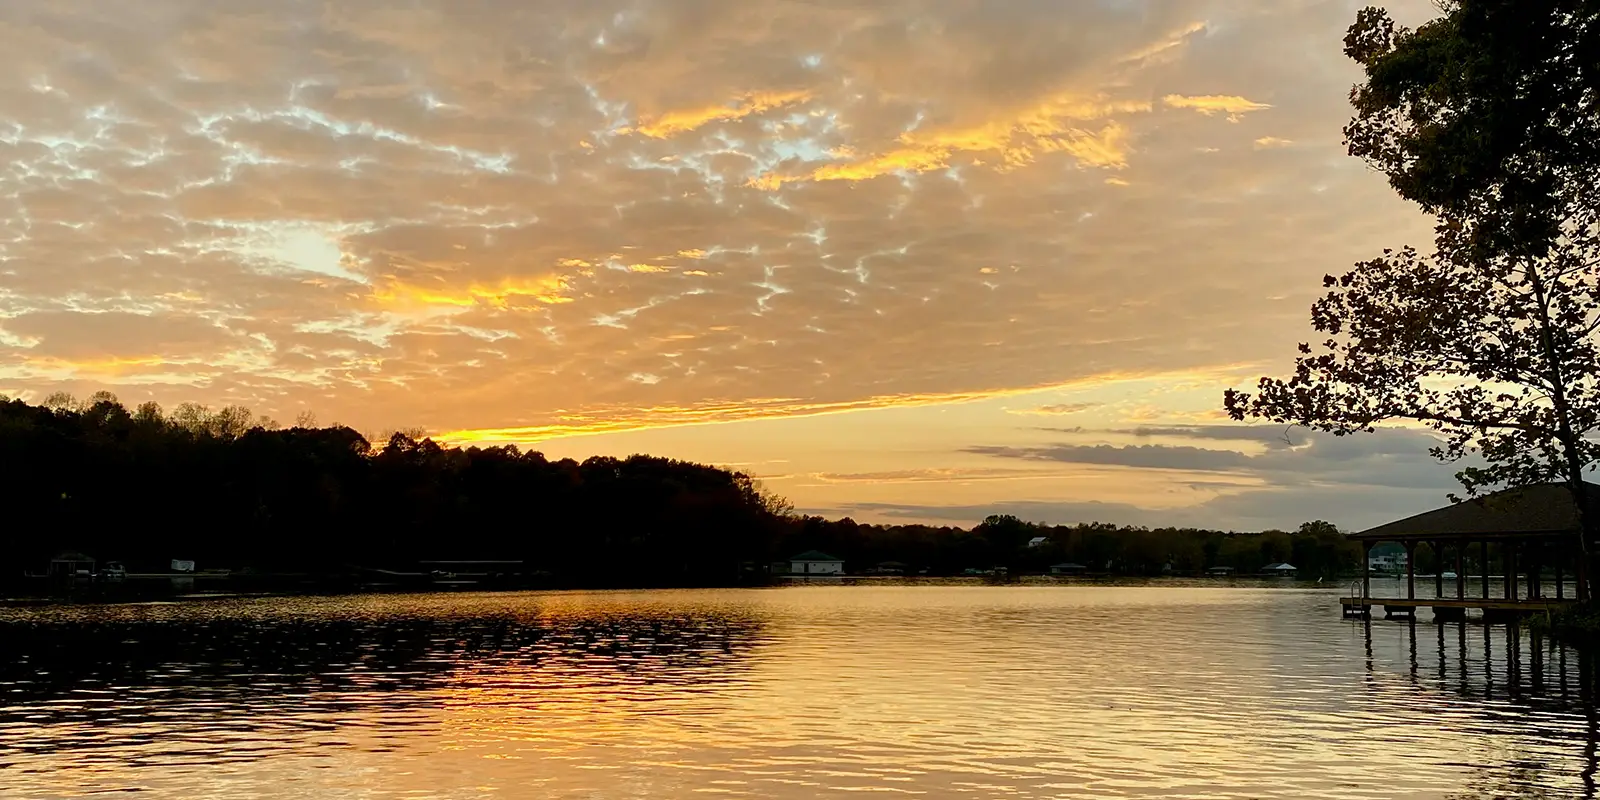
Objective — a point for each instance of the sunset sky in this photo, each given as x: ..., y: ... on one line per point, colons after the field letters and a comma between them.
x: 901, y: 260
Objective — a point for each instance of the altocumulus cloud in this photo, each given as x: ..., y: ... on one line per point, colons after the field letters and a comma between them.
x: 1239, y: 476
x: 492, y: 214
x: 1391, y: 457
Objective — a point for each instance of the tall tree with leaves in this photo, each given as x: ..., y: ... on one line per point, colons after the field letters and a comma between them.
x: 1489, y: 118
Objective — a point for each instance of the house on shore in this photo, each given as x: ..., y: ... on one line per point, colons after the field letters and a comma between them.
x: 71, y: 565
x: 1280, y: 570
x: 1220, y: 572
x: 815, y: 562
x: 1388, y: 558
x: 1068, y: 568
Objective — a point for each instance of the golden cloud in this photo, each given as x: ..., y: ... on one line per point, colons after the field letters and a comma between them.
x: 624, y: 419
x: 673, y: 123
x: 1017, y: 141
x: 1212, y: 104
x: 99, y: 366
x: 1057, y: 410
x: 402, y: 296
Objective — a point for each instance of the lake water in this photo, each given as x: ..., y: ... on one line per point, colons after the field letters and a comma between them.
x: 812, y: 692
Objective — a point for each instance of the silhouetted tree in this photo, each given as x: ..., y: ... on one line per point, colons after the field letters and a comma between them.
x: 1486, y: 117
x: 142, y: 489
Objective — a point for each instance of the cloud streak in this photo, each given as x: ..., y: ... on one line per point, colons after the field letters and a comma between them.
x: 514, y: 221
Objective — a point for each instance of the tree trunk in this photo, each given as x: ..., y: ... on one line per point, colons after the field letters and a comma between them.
x: 1571, y: 447
x: 1588, y: 527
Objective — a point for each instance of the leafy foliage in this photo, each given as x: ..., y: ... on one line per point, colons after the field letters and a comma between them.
x: 1317, y: 548
x: 226, y: 490
x: 1489, y: 115
x: 144, y: 487
x: 1499, y: 357
x: 1487, y: 118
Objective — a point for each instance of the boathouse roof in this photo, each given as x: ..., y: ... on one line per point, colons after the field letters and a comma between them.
x: 1544, y: 509
x: 814, y: 555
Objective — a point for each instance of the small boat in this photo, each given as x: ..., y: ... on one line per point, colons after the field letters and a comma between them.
x: 1449, y: 576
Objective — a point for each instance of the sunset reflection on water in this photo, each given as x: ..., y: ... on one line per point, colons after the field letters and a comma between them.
x: 1083, y: 691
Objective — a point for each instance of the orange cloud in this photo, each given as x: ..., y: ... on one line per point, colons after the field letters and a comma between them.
x: 1047, y: 128
x: 1212, y: 104
x: 619, y: 420
x: 1057, y: 410
x: 401, y: 296
x: 103, y: 366
x: 673, y: 123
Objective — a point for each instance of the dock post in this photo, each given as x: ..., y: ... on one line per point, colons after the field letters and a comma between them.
x: 1366, y: 570
x: 1485, y: 546
x: 1561, y: 589
x: 1461, y: 572
x: 1508, y: 560
x: 1438, y: 569
x: 1534, y: 552
x: 1411, y: 570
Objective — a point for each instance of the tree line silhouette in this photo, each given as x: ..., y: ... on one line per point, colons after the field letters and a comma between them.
x: 1316, y: 548
x: 231, y: 490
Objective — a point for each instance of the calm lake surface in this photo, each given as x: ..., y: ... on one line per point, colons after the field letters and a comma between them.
x: 934, y: 691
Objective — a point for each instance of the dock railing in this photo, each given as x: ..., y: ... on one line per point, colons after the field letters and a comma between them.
x: 1356, y: 602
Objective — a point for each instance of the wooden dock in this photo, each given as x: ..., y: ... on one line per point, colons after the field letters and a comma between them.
x: 1452, y: 607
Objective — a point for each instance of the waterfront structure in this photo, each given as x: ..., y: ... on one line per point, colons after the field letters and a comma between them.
x: 71, y: 565
x: 1530, y: 531
x: 815, y: 562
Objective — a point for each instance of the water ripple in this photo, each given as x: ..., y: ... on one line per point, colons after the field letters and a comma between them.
x: 1030, y: 692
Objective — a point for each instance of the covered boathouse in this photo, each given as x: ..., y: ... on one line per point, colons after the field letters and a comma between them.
x: 1533, y: 531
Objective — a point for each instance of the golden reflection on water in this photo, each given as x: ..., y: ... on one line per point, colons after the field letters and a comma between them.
x: 967, y: 691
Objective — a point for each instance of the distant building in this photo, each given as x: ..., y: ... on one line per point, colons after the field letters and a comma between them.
x: 1038, y: 541
x: 72, y: 564
x: 1220, y: 572
x: 1281, y: 570
x: 889, y: 568
x: 1388, y: 558
x: 815, y: 562
x: 1068, y: 569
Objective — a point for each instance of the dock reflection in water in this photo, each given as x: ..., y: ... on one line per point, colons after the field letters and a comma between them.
x: 1534, y: 697
x: 980, y: 691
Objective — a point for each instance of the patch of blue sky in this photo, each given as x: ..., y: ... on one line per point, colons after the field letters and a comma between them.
x: 485, y: 334
x: 805, y: 148
x: 294, y: 247
x: 362, y: 327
